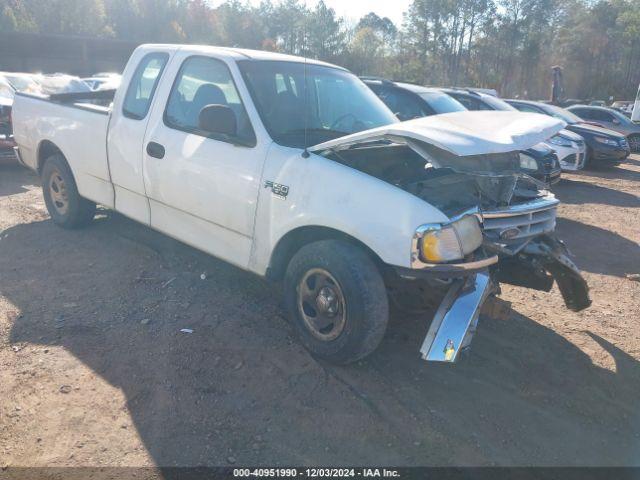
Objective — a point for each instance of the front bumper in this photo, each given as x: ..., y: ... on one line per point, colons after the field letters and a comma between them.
x: 553, y: 177
x: 609, y: 154
x: 447, y: 270
x: 520, y: 249
x: 574, y: 161
x: 455, y: 322
x: 543, y: 261
x: 550, y: 175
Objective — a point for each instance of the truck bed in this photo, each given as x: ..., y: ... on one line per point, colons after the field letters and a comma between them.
x: 77, y: 128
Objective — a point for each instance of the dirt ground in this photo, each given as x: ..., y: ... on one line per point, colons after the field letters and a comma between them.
x: 94, y: 370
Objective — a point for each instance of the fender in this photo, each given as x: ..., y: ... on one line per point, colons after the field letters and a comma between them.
x: 324, y: 193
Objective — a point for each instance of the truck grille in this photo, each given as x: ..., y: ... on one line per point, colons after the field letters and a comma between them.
x: 517, y: 223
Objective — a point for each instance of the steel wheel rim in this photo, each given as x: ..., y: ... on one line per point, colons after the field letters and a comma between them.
x: 321, y: 304
x: 58, y: 192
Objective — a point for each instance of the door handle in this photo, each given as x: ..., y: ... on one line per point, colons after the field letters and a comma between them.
x: 155, y: 150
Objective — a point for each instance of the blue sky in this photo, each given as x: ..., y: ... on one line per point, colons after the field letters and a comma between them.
x: 354, y: 9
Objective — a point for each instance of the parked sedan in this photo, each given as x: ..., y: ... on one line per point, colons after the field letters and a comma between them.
x: 611, y: 119
x: 604, y: 147
x: 409, y: 101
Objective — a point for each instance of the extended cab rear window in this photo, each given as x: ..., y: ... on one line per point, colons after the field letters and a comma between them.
x: 143, y: 85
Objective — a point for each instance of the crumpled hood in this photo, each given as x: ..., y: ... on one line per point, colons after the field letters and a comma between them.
x: 461, y: 133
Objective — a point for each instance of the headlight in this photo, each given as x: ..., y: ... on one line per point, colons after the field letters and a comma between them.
x: 560, y: 141
x: 606, y: 141
x: 439, y: 243
x: 528, y: 163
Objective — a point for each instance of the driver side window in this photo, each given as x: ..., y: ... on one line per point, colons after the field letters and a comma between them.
x: 204, y: 81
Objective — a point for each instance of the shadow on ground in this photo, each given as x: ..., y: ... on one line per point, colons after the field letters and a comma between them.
x: 241, y: 385
x: 14, y: 179
x: 576, y: 192
x: 598, y: 250
x: 619, y: 172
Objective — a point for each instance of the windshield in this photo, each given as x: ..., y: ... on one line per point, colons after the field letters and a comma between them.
x: 442, y: 103
x: 563, y: 114
x: 496, y: 103
x: 337, y: 102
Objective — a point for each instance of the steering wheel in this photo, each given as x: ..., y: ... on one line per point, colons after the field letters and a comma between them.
x: 341, y: 118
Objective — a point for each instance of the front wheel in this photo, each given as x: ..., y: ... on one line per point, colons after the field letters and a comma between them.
x: 634, y: 143
x: 336, y: 300
x: 65, y: 205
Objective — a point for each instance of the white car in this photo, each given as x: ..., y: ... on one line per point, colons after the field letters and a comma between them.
x: 570, y: 149
x: 293, y: 169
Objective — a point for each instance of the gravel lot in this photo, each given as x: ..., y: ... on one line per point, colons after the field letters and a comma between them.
x: 94, y: 370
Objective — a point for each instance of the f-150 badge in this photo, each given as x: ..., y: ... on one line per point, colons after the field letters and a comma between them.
x: 279, y: 190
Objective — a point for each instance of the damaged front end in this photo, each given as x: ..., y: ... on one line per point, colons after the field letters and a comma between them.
x: 453, y: 164
x: 533, y: 258
x: 518, y: 221
x: 519, y: 248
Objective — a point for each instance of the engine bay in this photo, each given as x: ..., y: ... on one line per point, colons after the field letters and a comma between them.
x: 452, y: 186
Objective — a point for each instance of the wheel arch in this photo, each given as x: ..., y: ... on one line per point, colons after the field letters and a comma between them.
x: 290, y: 243
x: 46, y: 148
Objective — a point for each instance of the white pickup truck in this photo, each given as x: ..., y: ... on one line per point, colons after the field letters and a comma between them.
x: 293, y: 169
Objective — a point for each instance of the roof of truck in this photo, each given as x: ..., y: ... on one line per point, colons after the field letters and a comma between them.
x: 239, y: 53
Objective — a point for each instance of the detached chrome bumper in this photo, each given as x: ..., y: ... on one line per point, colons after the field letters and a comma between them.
x: 456, y: 319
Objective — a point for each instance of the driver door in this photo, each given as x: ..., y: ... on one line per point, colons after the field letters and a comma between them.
x: 202, y: 189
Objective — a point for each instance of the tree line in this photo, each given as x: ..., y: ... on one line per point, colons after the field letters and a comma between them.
x: 509, y: 45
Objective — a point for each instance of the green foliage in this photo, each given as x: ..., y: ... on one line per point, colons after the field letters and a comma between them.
x: 509, y: 45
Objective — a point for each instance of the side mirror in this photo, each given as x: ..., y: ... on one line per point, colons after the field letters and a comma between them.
x: 218, y: 119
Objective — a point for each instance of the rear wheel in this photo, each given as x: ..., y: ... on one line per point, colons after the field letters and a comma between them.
x: 336, y: 300
x: 65, y: 205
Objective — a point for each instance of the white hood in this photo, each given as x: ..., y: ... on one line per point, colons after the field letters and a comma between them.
x: 462, y: 133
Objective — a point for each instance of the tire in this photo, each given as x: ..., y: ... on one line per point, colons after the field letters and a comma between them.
x: 588, y: 159
x: 65, y: 205
x: 634, y: 143
x: 342, y: 286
